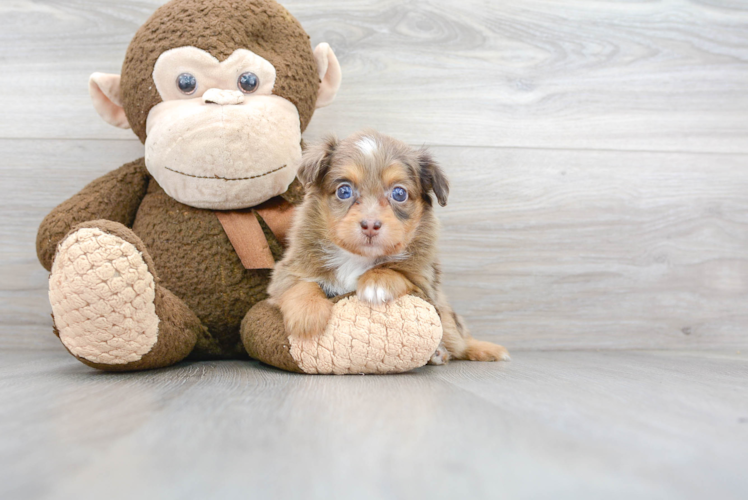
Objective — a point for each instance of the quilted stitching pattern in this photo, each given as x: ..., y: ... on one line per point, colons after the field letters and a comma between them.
x: 102, y: 297
x: 363, y: 338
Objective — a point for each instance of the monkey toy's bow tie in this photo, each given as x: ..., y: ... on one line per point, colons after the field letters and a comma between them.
x: 246, y: 235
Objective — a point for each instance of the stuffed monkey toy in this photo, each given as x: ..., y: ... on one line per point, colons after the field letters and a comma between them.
x: 169, y: 257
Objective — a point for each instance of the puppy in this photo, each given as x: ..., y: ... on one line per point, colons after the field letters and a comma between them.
x: 367, y: 226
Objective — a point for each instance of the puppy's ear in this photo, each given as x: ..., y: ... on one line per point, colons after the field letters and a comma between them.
x: 316, y: 160
x: 432, y: 177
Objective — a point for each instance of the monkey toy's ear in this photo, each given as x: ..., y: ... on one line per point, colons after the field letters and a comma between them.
x: 316, y: 161
x: 328, y: 69
x: 105, y: 94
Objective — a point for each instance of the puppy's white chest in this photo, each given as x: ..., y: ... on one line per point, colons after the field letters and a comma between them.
x: 348, y: 269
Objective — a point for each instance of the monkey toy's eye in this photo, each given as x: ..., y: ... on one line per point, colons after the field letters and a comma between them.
x: 248, y: 82
x: 399, y: 194
x: 344, y: 192
x: 187, y: 83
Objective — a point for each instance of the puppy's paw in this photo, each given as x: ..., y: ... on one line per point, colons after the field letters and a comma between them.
x: 375, y: 294
x: 305, y: 310
x: 379, y: 286
x: 440, y: 356
x: 486, y: 351
x: 308, y: 319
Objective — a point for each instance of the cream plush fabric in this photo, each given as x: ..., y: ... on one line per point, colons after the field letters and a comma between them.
x: 363, y: 338
x: 102, y: 296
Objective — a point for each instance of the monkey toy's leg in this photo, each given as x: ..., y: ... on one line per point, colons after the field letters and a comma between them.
x: 109, y: 310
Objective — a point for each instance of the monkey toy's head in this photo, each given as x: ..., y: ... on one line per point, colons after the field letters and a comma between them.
x: 219, y: 91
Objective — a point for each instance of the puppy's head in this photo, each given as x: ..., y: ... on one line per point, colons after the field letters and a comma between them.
x: 372, y: 193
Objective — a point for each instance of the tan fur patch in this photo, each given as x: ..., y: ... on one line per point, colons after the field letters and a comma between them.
x: 350, y: 173
x: 305, y: 310
x: 102, y: 297
x: 394, y: 174
x: 478, y: 350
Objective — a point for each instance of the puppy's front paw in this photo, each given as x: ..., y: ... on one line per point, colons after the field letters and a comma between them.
x: 440, y: 356
x: 305, y: 310
x: 375, y: 294
x: 308, y: 319
x: 379, y: 286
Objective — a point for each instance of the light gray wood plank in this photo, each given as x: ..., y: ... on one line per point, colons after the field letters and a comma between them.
x: 564, y: 249
x: 541, y: 249
x: 599, y: 75
x: 546, y: 425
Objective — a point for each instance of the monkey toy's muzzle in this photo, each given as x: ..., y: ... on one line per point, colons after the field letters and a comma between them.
x: 223, y: 150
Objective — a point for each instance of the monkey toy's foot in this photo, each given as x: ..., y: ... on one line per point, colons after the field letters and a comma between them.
x: 108, y: 309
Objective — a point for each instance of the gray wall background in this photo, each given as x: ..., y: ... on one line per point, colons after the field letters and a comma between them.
x: 598, y: 153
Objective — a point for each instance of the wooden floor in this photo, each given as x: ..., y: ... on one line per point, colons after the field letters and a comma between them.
x: 644, y: 424
x: 597, y: 227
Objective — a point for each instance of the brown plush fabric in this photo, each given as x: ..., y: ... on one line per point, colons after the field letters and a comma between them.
x: 202, y: 291
x: 196, y: 261
x: 115, y: 196
x: 220, y: 27
x: 295, y: 192
x: 178, y: 328
x: 265, y: 337
x: 185, y: 248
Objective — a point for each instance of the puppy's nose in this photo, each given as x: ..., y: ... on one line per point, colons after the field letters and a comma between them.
x: 370, y: 227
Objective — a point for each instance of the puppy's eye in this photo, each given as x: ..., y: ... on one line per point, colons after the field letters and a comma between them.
x: 399, y: 194
x: 344, y: 192
x: 187, y: 83
x: 248, y: 82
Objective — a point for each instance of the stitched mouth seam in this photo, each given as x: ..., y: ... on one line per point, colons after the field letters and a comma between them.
x: 227, y: 178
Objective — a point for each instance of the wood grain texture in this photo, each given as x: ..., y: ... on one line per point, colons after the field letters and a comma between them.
x: 642, y: 75
x: 564, y: 249
x: 546, y: 425
x: 599, y: 167
x: 541, y: 249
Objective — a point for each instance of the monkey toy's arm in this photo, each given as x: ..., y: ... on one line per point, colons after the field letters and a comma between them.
x: 115, y: 196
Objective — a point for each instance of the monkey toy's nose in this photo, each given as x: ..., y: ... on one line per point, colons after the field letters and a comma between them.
x: 223, y: 97
x: 370, y: 227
